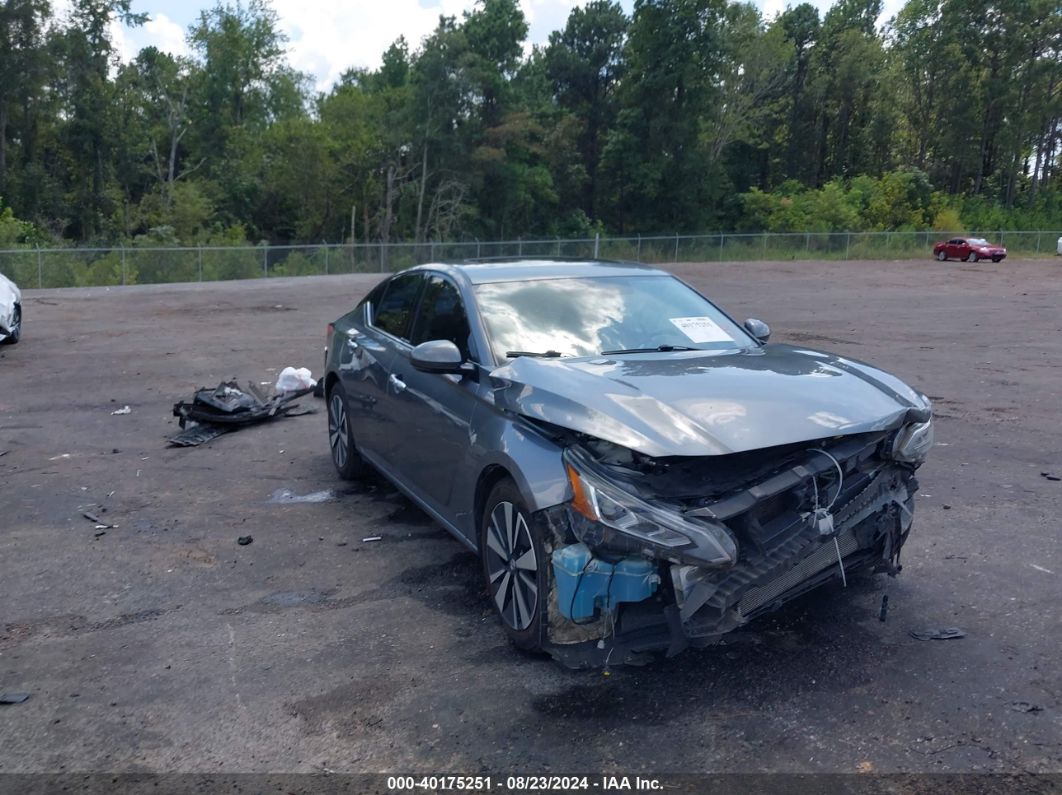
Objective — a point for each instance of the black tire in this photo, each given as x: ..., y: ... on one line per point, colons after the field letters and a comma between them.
x: 345, y: 456
x: 972, y: 257
x: 997, y: 259
x: 14, y: 334
x: 510, y: 545
x: 942, y: 255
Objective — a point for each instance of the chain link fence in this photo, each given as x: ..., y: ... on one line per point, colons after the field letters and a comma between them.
x: 91, y: 267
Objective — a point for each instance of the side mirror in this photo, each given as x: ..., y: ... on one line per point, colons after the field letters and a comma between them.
x: 758, y: 329
x: 438, y: 356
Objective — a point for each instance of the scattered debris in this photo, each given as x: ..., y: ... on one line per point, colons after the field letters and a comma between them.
x: 226, y: 408
x: 372, y: 538
x: 946, y: 507
x: 59, y: 457
x: 293, y: 380
x: 13, y: 698
x: 943, y: 633
x: 4, y: 452
x: 1025, y: 706
x: 1049, y: 476
x: 99, y: 533
x: 286, y: 496
x: 122, y: 410
x: 100, y: 524
x: 883, y: 612
x: 244, y: 540
x: 1041, y: 568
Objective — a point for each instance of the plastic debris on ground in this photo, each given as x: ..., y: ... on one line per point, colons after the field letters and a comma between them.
x: 1025, y: 706
x: 228, y: 408
x: 13, y: 698
x: 372, y: 538
x: 942, y: 633
x: 244, y: 540
x: 293, y: 379
x: 285, y: 496
x: 122, y: 410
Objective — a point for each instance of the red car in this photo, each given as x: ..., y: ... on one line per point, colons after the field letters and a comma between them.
x: 970, y: 249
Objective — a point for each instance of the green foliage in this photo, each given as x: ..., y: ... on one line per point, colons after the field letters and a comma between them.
x: 683, y: 115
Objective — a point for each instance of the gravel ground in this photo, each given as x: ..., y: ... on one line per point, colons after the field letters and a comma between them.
x: 162, y: 645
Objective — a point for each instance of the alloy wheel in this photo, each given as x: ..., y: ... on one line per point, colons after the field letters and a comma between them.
x: 338, y: 436
x: 512, y: 566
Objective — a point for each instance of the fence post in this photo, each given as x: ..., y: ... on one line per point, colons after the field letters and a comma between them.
x: 199, y: 258
x: 847, y: 245
x: 477, y: 248
x: 39, y: 279
x: 323, y: 243
x: 123, y: 264
x: 765, y: 245
x: 558, y: 245
x: 520, y: 247
x: 722, y: 237
x: 676, y: 247
x: 1038, y: 241
x: 807, y: 241
x: 265, y: 261
x: 597, y: 244
x: 432, y: 250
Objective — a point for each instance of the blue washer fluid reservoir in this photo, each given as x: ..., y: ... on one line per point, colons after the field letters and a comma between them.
x: 585, y: 583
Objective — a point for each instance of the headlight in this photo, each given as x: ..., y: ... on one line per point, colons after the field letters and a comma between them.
x: 617, y: 519
x: 913, y: 442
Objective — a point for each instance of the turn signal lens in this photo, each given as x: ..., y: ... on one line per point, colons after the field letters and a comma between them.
x: 581, y: 501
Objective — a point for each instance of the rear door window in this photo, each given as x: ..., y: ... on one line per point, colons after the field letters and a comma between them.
x: 394, y: 311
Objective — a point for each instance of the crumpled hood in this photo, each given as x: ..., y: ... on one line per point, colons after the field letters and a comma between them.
x: 699, y: 403
x: 9, y: 296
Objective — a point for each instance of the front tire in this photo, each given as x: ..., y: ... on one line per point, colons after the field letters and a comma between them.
x: 14, y: 334
x: 997, y: 260
x: 515, y: 566
x: 972, y: 257
x: 345, y: 456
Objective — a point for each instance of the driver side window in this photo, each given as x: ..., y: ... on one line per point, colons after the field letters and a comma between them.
x: 442, y: 317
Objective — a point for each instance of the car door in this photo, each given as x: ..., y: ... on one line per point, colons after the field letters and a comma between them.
x: 370, y: 347
x: 434, y: 408
x: 958, y: 249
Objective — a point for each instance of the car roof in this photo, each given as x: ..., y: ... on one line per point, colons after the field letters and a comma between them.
x: 518, y: 269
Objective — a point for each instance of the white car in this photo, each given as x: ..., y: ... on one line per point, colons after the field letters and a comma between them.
x: 10, y: 311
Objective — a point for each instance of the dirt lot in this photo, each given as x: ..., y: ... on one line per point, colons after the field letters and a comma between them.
x: 162, y: 645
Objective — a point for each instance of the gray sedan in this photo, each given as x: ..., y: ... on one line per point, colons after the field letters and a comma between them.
x: 637, y: 471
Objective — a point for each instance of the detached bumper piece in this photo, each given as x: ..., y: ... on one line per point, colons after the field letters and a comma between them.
x: 797, y: 528
x: 226, y: 408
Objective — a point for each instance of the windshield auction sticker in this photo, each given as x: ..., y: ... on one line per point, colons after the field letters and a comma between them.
x: 701, y: 329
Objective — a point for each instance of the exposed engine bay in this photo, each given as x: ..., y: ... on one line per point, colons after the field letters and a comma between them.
x: 665, y: 553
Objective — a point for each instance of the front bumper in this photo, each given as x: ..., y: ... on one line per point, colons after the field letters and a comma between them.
x: 784, y: 554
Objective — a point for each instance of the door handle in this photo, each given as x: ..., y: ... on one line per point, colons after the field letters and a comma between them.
x: 397, y: 382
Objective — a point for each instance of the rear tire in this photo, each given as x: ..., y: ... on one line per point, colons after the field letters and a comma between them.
x: 345, y: 456
x: 515, y: 566
x: 972, y: 257
x: 942, y: 256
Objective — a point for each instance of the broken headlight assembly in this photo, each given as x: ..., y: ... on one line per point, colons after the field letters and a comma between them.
x: 913, y: 442
x: 604, y: 514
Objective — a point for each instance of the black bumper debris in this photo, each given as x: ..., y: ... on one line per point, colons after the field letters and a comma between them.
x: 227, y: 408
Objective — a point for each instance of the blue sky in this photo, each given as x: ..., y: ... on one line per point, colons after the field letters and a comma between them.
x: 325, y: 38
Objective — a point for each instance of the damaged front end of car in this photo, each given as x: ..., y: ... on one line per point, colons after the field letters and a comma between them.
x: 660, y: 554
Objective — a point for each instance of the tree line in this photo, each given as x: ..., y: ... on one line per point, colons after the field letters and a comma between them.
x: 686, y: 115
